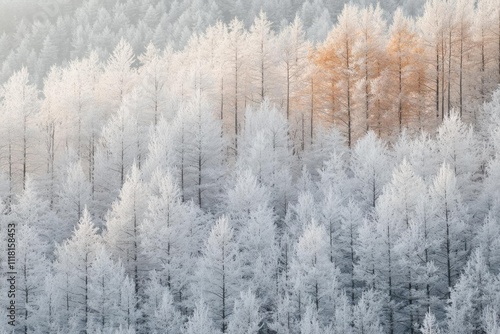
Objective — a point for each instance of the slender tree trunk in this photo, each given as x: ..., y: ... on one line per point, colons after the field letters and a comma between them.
x: 312, y: 111
x: 288, y: 92
x: 442, y: 76
x: 236, y: 102
x: 349, y: 127
x: 24, y: 152
x: 391, y: 316
x: 437, y: 81
x: 449, y: 74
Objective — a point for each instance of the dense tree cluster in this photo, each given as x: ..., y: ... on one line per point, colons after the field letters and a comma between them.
x: 256, y: 182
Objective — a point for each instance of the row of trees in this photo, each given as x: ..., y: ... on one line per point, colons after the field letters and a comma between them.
x: 368, y: 239
x: 365, y: 76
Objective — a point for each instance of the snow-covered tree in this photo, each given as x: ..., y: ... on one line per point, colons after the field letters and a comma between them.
x: 74, y: 259
x: 123, y: 225
x: 218, y: 272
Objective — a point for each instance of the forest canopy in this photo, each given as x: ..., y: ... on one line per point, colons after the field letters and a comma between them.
x: 219, y: 167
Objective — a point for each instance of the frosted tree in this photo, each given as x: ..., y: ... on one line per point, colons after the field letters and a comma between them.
x: 309, y: 323
x: 344, y: 241
x: 394, y: 212
x: 46, y: 315
x: 217, y: 273
x: 238, y: 63
x: 366, y: 314
x: 154, y: 82
x: 50, y: 119
x: 81, y: 110
x: 166, y: 239
x: 258, y: 255
x: 195, y: 152
x: 166, y: 319
x: 488, y: 242
x: 32, y: 266
x: 117, y: 152
x: 266, y: 151
x: 490, y: 321
x: 34, y: 211
x: 451, y: 236
x: 245, y: 197
x: 119, y: 77
x: 459, y: 148
x: 293, y: 60
x: 18, y: 110
x: 73, y: 262
x: 406, y: 70
x: 471, y: 296
x: 260, y: 39
x: 245, y: 318
x: 123, y: 225
x: 105, y: 279
x: 430, y: 326
x: 315, y: 278
x: 200, y: 321
x: 368, y: 52
x: 74, y: 196
x: 371, y: 166
x: 337, y: 57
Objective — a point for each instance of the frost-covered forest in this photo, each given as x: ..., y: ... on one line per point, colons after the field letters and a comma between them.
x: 252, y: 167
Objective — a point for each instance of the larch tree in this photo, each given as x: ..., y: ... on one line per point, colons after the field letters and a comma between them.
x: 337, y: 55
x: 293, y: 60
x: 430, y: 325
x: 316, y: 282
x: 123, y: 228
x: 217, y: 273
x: 406, y: 73
x: 33, y: 210
x: 105, y: 279
x: 371, y: 167
x: 432, y: 21
x: 74, y: 196
x: 117, y: 152
x: 238, y: 63
x: 154, y: 82
x: 246, y: 318
x: 73, y: 262
x: 261, y: 57
x: 265, y: 149
x: 118, y: 78
x: 457, y: 145
x: 450, y: 236
x: 19, y: 109
x: 471, y: 296
x: 166, y: 238
x: 464, y: 11
x: 32, y: 266
x: 198, y: 152
x: 370, y: 62
x: 200, y: 321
